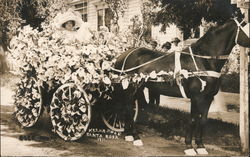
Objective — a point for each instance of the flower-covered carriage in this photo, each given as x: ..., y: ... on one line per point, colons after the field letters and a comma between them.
x: 67, y: 78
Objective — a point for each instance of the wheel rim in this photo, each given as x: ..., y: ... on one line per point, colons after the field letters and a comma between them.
x: 70, y: 112
x: 113, y: 121
x: 28, y: 102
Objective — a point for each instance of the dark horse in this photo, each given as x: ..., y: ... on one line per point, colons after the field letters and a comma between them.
x: 209, y: 54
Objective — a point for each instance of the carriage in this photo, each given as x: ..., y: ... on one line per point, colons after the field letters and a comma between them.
x: 70, y: 107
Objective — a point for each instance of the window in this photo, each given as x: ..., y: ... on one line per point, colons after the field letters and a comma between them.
x: 85, y: 17
x: 81, y: 7
x: 104, y: 17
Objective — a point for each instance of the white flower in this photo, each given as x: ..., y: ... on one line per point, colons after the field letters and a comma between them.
x: 106, y: 80
x: 162, y: 73
x: 153, y: 75
x: 125, y: 83
x: 105, y: 65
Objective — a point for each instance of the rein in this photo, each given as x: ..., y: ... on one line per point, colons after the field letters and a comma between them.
x: 137, y: 67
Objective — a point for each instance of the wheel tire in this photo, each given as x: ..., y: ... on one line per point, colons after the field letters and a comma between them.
x: 70, y: 112
x: 112, y: 120
x: 28, y: 102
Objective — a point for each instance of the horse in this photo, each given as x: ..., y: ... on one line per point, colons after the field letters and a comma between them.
x: 205, y: 57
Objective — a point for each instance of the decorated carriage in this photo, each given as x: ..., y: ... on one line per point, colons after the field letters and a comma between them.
x: 68, y: 79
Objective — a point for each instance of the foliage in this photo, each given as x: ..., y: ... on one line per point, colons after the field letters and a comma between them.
x: 230, y: 82
x: 118, y: 8
x: 26, y: 12
x: 233, y: 63
x: 147, y: 16
x: 9, y: 19
x: 188, y: 15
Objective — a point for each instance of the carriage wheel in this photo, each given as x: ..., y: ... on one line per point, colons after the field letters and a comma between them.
x: 70, y: 111
x: 113, y: 120
x: 28, y: 102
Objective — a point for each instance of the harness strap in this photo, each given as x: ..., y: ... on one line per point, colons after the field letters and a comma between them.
x: 192, y: 55
x: 238, y: 29
x: 221, y: 57
x: 205, y: 73
x: 137, y: 67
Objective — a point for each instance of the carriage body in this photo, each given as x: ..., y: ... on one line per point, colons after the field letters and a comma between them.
x: 69, y: 105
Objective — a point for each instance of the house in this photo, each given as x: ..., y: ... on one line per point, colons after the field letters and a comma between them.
x: 97, y: 13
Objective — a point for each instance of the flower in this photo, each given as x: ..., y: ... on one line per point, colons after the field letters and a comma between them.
x: 106, y: 80
x: 105, y: 65
x: 153, y: 75
x: 125, y: 83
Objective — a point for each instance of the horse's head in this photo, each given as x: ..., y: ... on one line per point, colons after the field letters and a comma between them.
x: 242, y: 34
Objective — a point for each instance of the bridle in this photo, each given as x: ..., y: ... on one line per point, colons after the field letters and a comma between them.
x: 239, y: 25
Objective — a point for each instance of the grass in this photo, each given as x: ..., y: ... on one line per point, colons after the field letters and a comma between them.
x: 172, y: 124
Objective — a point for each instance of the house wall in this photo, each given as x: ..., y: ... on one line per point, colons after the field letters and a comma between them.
x: 92, y: 14
x: 133, y: 9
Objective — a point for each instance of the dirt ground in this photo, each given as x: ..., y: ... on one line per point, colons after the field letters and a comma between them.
x: 161, y: 132
x: 43, y: 142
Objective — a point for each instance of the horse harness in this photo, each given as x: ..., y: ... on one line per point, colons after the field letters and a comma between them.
x: 178, y: 71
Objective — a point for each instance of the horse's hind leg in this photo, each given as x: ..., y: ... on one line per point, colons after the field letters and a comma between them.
x: 130, y: 131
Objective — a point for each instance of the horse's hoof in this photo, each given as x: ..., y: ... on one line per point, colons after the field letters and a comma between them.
x: 129, y: 138
x: 190, y: 152
x: 202, y: 151
x: 138, y: 143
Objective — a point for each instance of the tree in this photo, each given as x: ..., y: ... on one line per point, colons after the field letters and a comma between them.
x: 187, y: 14
x: 9, y: 20
x: 118, y: 8
x: 16, y: 13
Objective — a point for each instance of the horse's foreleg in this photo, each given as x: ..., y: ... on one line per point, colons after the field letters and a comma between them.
x: 203, y: 108
x: 190, y: 128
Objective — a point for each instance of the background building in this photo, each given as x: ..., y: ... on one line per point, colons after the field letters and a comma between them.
x: 97, y: 13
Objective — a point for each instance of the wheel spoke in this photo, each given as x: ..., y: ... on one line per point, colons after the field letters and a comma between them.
x: 120, y: 125
x: 114, y: 120
x: 110, y: 117
x: 70, y: 92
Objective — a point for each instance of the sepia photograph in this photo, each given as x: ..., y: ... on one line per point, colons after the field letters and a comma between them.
x: 124, y: 77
